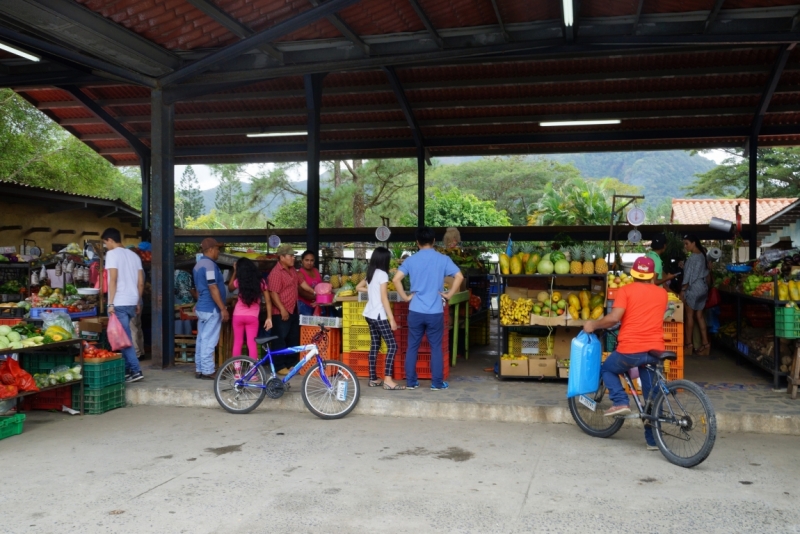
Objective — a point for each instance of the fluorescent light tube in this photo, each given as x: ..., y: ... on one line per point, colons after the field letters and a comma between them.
x: 18, y: 52
x: 568, y: 17
x: 578, y: 123
x: 275, y: 134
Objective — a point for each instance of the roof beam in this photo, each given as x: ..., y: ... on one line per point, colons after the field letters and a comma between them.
x: 500, y: 23
x: 234, y: 26
x: 53, y: 50
x: 405, y: 105
x: 270, y: 34
x: 423, y: 17
x: 769, y: 91
x: 712, y: 15
x: 140, y: 148
x: 345, y: 30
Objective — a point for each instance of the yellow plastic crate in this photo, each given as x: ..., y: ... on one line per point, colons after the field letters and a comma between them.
x: 357, y: 339
x: 352, y: 314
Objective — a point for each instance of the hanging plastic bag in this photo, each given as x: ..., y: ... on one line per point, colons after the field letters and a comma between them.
x: 584, y: 365
x: 117, y: 337
x: 22, y: 379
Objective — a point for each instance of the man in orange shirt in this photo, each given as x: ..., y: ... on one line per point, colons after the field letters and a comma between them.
x: 640, y: 308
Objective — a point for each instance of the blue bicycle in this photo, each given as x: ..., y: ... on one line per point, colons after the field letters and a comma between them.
x: 330, y: 389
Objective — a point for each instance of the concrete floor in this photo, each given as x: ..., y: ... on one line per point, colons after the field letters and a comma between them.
x: 188, y: 470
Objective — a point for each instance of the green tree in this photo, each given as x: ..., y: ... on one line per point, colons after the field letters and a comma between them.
x: 513, y: 183
x: 660, y: 213
x: 778, y: 174
x: 189, y: 195
x: 454, y: 208
x: 230, y: 198
x: 575, y: 203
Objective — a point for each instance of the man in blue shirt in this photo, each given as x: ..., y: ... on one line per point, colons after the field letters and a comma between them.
x: 427, y: 270
x: 211, y: 309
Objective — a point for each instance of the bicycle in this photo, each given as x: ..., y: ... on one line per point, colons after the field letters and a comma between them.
x: 683, y: 420
x: 330, y: 389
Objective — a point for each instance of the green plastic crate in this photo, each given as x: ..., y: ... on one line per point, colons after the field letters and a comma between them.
x: 103, y: 374
x: 11, y: 426
x: 43, y: 362
x: 99, y: 401
x: 787, y: 323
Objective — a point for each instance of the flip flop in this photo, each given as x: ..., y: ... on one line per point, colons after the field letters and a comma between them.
x: 397, y: 387
x: 375, y: 383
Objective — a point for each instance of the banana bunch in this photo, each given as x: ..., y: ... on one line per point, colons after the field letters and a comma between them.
x: 515, y: 311
x: 672, y: 296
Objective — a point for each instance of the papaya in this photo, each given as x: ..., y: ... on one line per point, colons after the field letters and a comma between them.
x: 597, y: 312
x: 794, y: 290
x: 574, y: 313
x: 505, y: 264
x: 530, y: 265
x: 584, y: 297
x: 595, y: 300
x: 783, y: 290
x: 574, y: 302
x: 585, y: 313
x: 57, y: 331
x: 516, y: 265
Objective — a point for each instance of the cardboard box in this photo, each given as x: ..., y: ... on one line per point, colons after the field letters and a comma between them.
x: 572, y: 282
x: 562, y: 341
x: 516, y: 292
x: 542, y: 366
x: 598, y: 286
x: 448, y: 280
x: 563, y: 372
x: 91, y: 328
x: 513, y: 367
x: 674, y: 312
x: 559, y: 320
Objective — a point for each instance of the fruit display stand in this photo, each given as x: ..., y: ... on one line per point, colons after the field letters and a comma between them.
x: 542, y: 340
x: 763, y: 330
x: 33, y: 353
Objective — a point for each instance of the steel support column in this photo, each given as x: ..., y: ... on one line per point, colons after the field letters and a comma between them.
x: 313, y: 87
x: 752, y: 190
x: 420, y: 187
x: 163, y: 229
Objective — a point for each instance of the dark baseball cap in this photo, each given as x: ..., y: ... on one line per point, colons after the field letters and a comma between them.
x: 659, y: 242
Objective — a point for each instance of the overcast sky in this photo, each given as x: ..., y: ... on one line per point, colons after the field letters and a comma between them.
x: 298, y: 173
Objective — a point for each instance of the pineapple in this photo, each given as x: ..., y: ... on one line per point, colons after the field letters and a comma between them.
x: 588, y: 263
x: 345, y: 276
x: 600, y: 264
x: 575, y: 266
x: 358, y: 272
x: 336, y: 282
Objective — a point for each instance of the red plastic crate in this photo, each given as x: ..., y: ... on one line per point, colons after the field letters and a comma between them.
x: 359, y: 363
x: 423, y: 366
x: 52, y: 399
x: 331, y: 351
x: 10, y: 322
x: 727, y: 312
x: 759, y: 315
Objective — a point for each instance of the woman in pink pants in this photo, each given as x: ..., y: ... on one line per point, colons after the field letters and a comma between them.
x: 245, y: 315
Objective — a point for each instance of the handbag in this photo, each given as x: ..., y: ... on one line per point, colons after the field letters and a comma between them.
x: 713, y: 298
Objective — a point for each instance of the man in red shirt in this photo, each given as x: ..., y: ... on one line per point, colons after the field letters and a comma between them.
x: 283, y: 282
x: 640, y: 308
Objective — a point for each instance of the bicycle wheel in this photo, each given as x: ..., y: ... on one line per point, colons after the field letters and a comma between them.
x: 338, y: 400
x: 593, y: 422
x: 239, y: 398
x: 687, y: 437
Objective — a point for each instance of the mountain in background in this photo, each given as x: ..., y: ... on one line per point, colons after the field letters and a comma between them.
x: 268, y: 208
x: 661, y: 174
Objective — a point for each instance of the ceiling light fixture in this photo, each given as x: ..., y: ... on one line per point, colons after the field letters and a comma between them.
x: 579, y: 123
x: 18, y: 52
x: 568, y: 17
x: 275, y: 134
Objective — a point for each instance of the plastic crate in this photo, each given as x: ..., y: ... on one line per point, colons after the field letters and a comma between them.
x: 10, y: 322
x: 37, y: 313
x: 478, y: 334
x: 787, y: 323
x: 357, y: 339
x: 104, y: 374
x: 611, y: 340
x: 673, y: 333
x: 359, y: 363
x: 393, y: 297
x: 673, y: 370
x: 43, y: 362
x: 423, y: 366
x: 727, y: 312
x: 52, y: 399
x: 331, y: 350
x: 401, y: 336
x: 11, y: 426
x: 353, y: 314
x: 100, y: 400
x: 518, y: 344
x: 759, y: 315
x: 316, y: 320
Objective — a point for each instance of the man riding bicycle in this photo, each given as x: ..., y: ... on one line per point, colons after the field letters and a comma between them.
x: 640, y: 308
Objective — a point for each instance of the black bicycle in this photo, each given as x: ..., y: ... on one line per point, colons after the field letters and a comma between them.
x: 683, y: 420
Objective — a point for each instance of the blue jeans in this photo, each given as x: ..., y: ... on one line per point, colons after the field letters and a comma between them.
x: 431, y: 324
x: 125, y: 314
x: 617, y: 364
x: 208, y: 327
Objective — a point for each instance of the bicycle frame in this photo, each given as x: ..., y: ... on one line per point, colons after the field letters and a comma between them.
x: 659, y: 383
x: 312, y: 351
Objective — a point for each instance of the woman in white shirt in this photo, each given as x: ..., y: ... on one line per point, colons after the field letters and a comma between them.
x: 380, y: 319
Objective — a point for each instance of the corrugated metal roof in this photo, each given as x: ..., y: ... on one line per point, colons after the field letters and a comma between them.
x: 700, y: 211
x: 78, y: 198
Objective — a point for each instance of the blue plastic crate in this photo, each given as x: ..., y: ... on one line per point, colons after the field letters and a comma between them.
x: 36, y: 313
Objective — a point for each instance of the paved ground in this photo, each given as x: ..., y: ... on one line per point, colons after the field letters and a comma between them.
x: 741, y: 394
x: 182, y: 470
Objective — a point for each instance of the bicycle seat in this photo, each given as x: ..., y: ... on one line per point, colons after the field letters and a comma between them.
x: 663, y: 355
x: 265, y: 340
